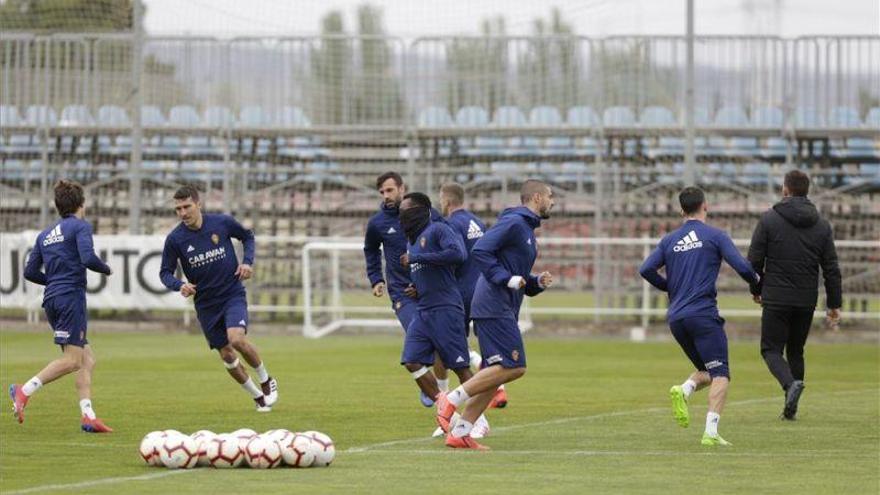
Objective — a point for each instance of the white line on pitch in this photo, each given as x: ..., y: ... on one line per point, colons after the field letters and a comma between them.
x: 100, y: 481
x: 627, y: 453
x: 557, y: 421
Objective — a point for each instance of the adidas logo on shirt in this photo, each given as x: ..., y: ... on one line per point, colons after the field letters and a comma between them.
x: 54, y: 236
x: 391, y: 230
x: 474, y: 231
x: 459, y: 359
x: 687, y: 243
x: 190, y: 249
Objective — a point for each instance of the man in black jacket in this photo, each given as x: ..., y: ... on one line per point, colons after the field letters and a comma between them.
x: 790, y: 243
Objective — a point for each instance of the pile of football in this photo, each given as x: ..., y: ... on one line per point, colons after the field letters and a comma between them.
x: 174, y: 450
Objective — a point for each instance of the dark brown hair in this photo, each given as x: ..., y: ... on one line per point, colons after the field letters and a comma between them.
x: 69, y: 197
x: 187, y: 191
x: 691, y: 199
x: 797, y: 183
x: 389, y: 175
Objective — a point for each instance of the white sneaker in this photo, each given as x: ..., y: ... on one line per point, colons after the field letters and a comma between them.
x: 270, y: 391
x: 261, y: 405
x: 438, y: 433
x: 481, y: 428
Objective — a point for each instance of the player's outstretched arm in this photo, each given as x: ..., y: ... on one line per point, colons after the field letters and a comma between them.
x: 737, y: 262
x: 452, y: 251
x: 649, y: 269
x: 373, y: 257
x: 86, y: 248
x: 33, y: 269
x: 248, y: 241
x: 168, y: 267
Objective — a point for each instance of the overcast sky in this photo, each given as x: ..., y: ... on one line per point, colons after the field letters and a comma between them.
x: 411, y: 18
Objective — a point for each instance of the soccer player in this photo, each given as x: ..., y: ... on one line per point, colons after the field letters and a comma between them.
x: 202, y: 245
x: 384, y: 234
x: 434, y: 251
x: 789, y: 244
x: 471, y: 229
x: 692, y: 256
x: 65, y: 250
x: 505, y: 254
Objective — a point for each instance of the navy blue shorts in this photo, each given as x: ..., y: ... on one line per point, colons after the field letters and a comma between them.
x: 703, y: 339
x: 405, y: 309
x: 440, y: 331
x: 215, y: 319
x: 500, y: 342
x: 68, y: 318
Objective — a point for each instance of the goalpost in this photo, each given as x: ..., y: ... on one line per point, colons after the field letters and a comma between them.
x: 337, y: 312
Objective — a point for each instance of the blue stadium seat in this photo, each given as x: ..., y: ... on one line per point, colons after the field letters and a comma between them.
x: 471, y: 116
x: 772, y: 117
x: 873, y: 117
x: 76, y: 116
x: 844, y: 117
x: 870, y: 173
x: 507, y: 116
x: 657, y: 116
x: 547, y: 116
x: 15, y: 143
x: 40, y: 115
x: 848, y: 117
x: 151, y: 118
x: 581, y: 116
x: 575, y: 172
x: 302, y: 147
x: 807, y: 118
x: 620, y: 116
x: 256, y: 117
x: 186, y: 117
x: 755, y: 174
x: 437, y: 117
x: 220, y: 120
x: 112, y: 116
x: 734, y: 146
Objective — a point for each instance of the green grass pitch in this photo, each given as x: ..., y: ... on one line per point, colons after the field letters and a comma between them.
x: 590, y: 416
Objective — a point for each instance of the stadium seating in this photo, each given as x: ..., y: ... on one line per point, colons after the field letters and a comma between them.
x: 773, y: 148
x: 112, y: 116
x: 472, y: 116
x: 661, y: 146
x: 76, y: 116
x: 254, y: 117
x: 581, y: 116
x: 734, y: 146
x: 850, y: 148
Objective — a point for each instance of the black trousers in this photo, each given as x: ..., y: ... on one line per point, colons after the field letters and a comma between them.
x: 785, y: 329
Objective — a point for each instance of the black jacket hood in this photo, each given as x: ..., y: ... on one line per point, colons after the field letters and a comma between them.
x: 798, y: 211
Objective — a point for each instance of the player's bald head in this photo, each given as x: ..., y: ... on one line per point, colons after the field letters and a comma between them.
x: 532, y: 187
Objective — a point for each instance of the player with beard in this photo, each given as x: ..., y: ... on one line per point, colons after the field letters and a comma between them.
x: 505, y: 254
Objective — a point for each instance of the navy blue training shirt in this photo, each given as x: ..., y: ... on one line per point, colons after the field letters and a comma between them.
x: 208, y: 258
x: 692, y: 256
x: 508, y: 248
x: 385, y: 234
x: 432, y: 262
x: 471, y: 229
x: 66, y: 249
